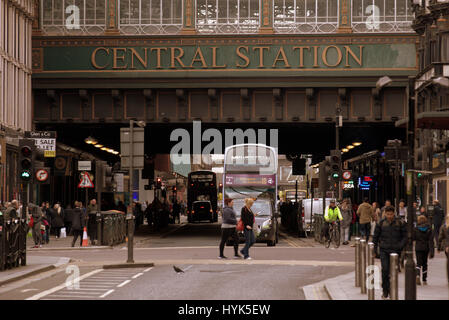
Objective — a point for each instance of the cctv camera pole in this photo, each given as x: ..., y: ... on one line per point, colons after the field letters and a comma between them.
x: 410, y: 271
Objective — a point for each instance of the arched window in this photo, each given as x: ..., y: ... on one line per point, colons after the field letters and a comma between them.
x: 74, y: 17
x: 150, y: 16
x: 305, y: 16
x: 382, y: 16
x: 227, y: 16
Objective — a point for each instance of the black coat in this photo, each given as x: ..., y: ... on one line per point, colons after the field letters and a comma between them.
x: 78, y: 219
x: 438, y: 215
x: 423, y: 236
x: 390, y: 236
x: 57, y: 219
x: 247, y: 217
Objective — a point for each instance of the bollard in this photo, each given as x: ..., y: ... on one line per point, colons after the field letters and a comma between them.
x: 130, y: 219
x: 363, y: 266
x: 371, y: 263
x: 394, y: 276
x: 99, y: 235
x: 357, y: 262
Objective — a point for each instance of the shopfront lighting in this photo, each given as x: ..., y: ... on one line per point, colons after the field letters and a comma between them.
x: 90, y: 140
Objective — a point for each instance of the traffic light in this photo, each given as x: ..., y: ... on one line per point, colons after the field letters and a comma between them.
x: 158, y: 183
x: 27, y: 150
x: 299, y: 167
x: 335, y: 164
x: 107, y: 174
x: 324, y: 175
x: 148, y: 168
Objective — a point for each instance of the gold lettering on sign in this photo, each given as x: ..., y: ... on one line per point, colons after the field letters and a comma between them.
x: 93, y: 58
x: 200, y: 59
x: 261, y: 49
x: 242, y: 56
x: 324, y: 56
x: 177, y: 58
x: 144, y: 61
x: 116, y: 57
x: 315, y: 57
x: 283, y: 59
x: 158, y: 56
x: 344, y: 12
x: 358, y: 59
x: 301, y: 55
x: 214, y: 59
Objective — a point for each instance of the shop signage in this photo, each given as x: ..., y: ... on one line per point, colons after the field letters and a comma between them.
x: 45, y: 140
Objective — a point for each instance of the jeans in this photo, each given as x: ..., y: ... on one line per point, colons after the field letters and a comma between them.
x: 421, y: 262
x: 344, y: 234
x: 249, y: 241
x: 436, y: 231
x: 365, y: 230
x: 225, y: 234
x: 385, y: 262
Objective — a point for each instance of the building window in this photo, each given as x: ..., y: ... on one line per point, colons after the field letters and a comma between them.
x: 305, y: 16
x: 382, y: 16
x: 227, y: 16
x: 444, y: 47
x: 150, y: 16
x: 74, y: 17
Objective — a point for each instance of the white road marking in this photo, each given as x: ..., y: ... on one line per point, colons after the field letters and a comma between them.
x: 188, y: 268
x: 85, y: 289
x: 137, y: 275
x: 62, y: 286
x: 107, y: 293
x: 28, y: 290
x: 58, y: 296
x: 146, y: 270
x: 69, y: 292
x: 123, y: 283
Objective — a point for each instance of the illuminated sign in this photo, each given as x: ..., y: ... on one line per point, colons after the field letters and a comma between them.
x: 348, y: 185
x: 366, y: 182
x: 250, y: 180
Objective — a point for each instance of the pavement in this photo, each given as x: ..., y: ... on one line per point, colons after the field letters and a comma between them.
x: 343, y: 287
x: 35, y: 265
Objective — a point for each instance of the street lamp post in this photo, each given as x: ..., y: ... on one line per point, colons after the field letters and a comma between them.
x: 410, y: 271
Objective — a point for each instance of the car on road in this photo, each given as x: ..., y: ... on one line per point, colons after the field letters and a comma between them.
x: 202, y: 211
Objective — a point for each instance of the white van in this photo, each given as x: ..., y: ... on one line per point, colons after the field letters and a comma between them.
x: 317, y: 208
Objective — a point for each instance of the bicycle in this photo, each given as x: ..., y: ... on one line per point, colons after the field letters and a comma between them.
x: 334, y: 235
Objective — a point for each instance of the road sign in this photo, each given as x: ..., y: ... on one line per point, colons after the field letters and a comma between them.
x: 42, y: 175
x: 44, y: 140
x: 84, y: 165
x: 347, y: 175
x: 85, y: 182
x: 138, y: 147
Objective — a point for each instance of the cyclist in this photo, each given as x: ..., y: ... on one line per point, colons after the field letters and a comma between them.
x: 331, y: 215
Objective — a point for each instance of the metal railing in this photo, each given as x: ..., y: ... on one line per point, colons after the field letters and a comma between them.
x: 107, y: 228
x: 13, y: 233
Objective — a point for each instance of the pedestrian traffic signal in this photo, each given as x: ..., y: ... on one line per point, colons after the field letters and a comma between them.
x: 26, y: 160
x: 335, y: 164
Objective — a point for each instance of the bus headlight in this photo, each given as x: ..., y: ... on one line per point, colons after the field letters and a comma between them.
x: 266, y: 224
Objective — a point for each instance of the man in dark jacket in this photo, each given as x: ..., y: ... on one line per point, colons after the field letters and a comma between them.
x: 228, y: 229
x: 390, y: 236
x: 11, y: 211
x: 78, y: 223
x: 437, y: 219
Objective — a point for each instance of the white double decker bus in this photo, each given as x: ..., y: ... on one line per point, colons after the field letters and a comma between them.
x: 250, y: 171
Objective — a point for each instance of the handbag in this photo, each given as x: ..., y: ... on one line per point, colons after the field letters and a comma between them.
x: 63, y: 233
x: 240, y: 226
x: 31, y: 223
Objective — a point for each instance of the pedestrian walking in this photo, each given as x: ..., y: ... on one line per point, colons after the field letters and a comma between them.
x: 58, y: 219
x: 402, y: 210
x: 228, y: 229
x: 346, y: 213
x: 424, y: 248
x: 68, y: 219
x: 437, y: 218
x: 365, y: 213
x: 382, y: 211
x: 390, y: 236
x: 78, y: 223
x: 443, y: 242
x: 248, y: 218
x: 376, y: 217
x: 176, y: 211
x: 35, y: 224
x: 92, y: 207
x: 11, y: 210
